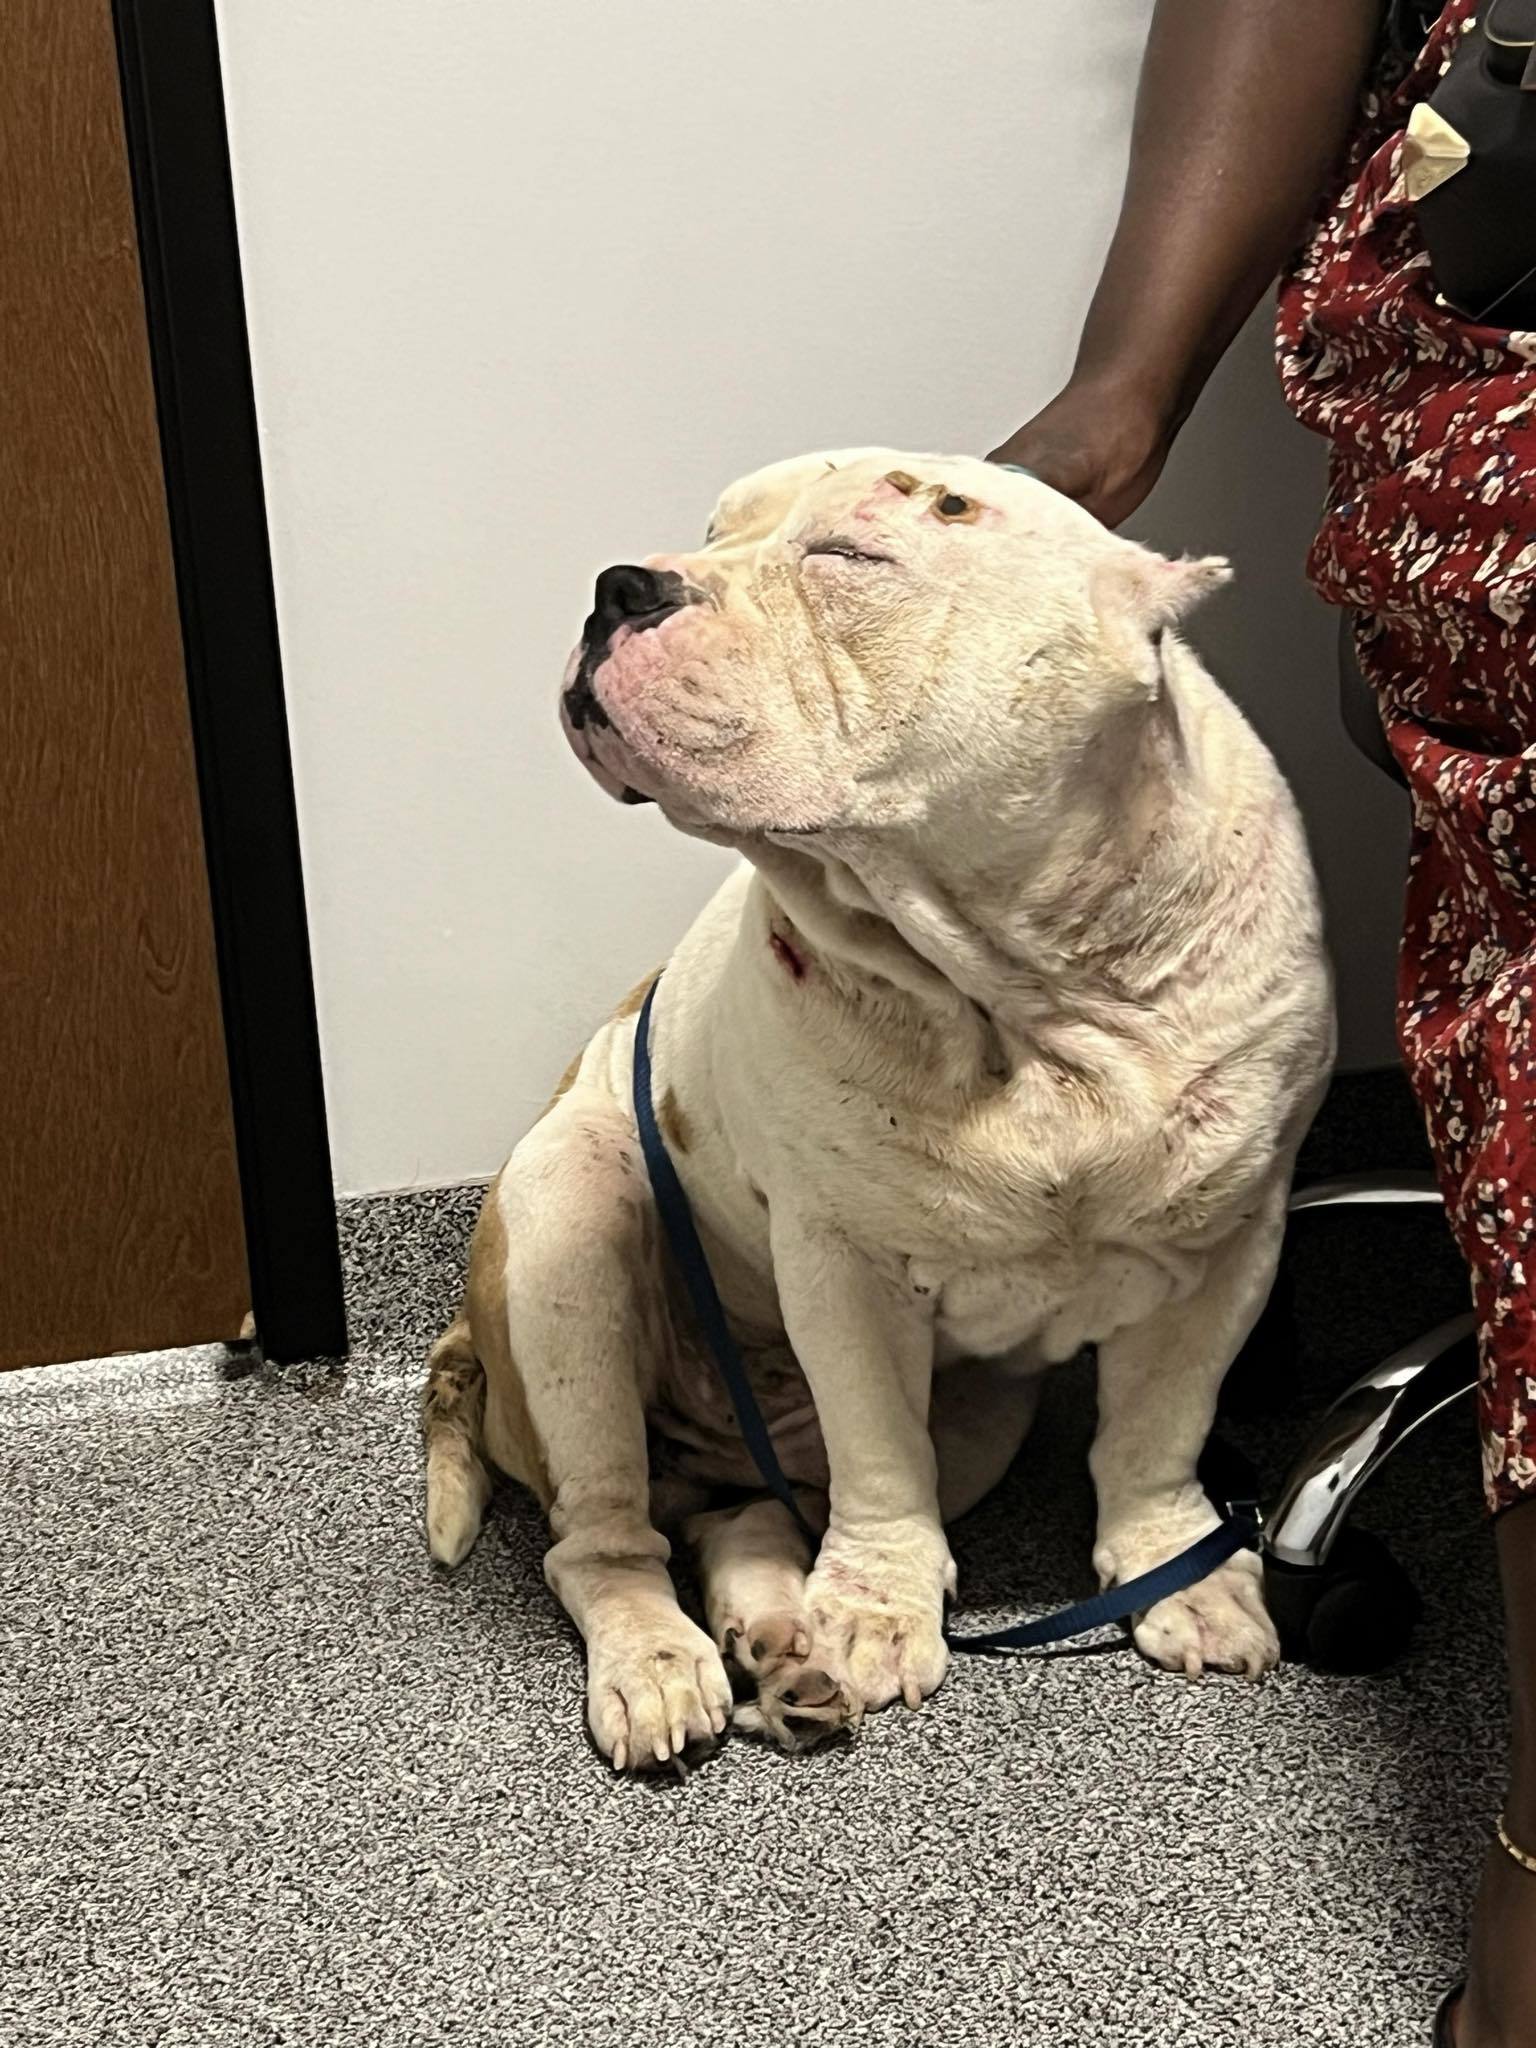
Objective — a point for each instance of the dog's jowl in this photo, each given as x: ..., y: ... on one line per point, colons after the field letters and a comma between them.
x: 999, y: 1043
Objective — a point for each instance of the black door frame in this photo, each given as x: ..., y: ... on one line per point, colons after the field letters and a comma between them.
x: 178, y: 153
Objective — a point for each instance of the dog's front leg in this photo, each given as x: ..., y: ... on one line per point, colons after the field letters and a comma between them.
x: 1158, y: 1383
x: 875, y: 1598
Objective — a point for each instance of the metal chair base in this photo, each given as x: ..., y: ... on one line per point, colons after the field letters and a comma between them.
x: 1338, y: 1598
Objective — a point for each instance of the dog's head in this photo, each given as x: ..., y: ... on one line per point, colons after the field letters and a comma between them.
x: 862, y: 634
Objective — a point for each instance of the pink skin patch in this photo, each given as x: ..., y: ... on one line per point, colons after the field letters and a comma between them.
x: 592, y: 743
x: 637, y: 664
x: 925, y: 497
x: 652, y: 728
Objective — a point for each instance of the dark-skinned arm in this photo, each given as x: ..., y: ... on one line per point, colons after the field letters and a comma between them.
x: 1242, y: 111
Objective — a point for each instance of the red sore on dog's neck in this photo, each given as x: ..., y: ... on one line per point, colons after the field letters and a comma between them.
x: 786, y: 955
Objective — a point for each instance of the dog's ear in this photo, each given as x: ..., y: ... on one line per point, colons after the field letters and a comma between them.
x: 1136, y: 594
x: 1148, y: 591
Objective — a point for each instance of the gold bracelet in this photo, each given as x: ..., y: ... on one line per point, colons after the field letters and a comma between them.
x: 1521, y: 1856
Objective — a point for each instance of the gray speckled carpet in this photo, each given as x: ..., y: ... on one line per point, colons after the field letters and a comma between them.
x: 266, y: 1778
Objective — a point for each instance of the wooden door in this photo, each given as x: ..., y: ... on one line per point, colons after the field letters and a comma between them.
x: 120, y: 1213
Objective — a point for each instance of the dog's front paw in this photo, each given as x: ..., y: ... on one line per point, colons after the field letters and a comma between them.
x: 1221, y: 1624
x: 875, y: 1605
x: 655, y: 1688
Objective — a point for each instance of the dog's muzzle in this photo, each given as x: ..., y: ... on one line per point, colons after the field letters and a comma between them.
x: 625, y: 596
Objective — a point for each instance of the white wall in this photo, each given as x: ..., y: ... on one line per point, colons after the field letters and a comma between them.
x: 527, y: 282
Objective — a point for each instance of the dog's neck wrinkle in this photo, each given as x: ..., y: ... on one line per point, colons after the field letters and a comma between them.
x: 1070, y: 917
x: 1071, y: 891
x: 845, y: 927
x: 1032, y: 920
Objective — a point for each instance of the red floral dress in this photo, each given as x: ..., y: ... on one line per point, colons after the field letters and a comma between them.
x: 1429, y: 532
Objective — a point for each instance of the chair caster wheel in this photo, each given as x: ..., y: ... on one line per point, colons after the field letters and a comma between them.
x: 1353, y: 1615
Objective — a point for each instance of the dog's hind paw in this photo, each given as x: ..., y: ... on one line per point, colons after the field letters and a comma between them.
x: 797, y: 1706
x: 797, y: 1703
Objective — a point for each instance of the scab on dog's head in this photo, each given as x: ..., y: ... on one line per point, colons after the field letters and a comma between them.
x: 862, y: 634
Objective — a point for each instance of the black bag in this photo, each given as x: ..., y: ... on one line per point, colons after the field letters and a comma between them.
x: 1470, y: 159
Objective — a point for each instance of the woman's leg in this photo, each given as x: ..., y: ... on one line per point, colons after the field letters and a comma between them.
x: 1467, y: 1020
x: 1499, y: 2009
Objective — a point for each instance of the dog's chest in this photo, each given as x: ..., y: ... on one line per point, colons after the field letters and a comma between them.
x: 1053, y: 1304
x: 1029, y: 1219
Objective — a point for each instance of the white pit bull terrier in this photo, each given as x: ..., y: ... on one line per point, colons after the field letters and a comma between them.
x: 1001, y: 1043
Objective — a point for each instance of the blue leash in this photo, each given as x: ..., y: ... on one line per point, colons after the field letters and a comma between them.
x: 683, y: 1240
x: 1118, y: 1603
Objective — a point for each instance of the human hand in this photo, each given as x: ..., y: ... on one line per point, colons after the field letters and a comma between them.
x: 1101, y: 444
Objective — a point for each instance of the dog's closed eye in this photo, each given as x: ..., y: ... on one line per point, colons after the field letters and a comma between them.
x: 844, y: 550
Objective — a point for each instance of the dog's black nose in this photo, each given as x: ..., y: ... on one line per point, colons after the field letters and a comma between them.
x: 626, y: 595
x: 625, y: 592
x: 631, y: 596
